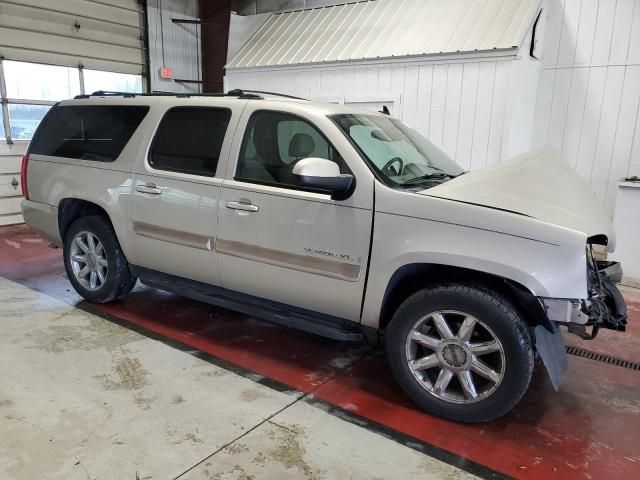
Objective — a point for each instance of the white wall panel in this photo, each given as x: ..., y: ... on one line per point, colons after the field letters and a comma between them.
x: 459, y: 106
x: 559, y: 103
x: 575, y: 114
x: 498, y: 110
x: 621, y: 31
x: 622, y: 160
x: 438, y: 103
x: 609, y: 117
x: 452, y: 108
x: 587, y: 102
x: 467, y: 114
x: 484, y: 102
x: 591, y: 121
x: 10, y: 197
x: 586, y: 31
x: 423, y: 104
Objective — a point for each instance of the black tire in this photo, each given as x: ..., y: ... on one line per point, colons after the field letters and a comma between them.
x: 503, y: 322
x: 118, y: 279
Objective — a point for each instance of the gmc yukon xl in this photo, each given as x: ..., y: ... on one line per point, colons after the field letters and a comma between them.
x: 339, y: 221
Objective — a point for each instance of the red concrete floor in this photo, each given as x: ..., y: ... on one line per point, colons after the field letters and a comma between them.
x: 588, y: 430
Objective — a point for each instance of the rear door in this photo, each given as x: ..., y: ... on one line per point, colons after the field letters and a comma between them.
x: 176, y: 189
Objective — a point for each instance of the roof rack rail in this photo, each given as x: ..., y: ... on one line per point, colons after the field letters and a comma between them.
x: 245, y: 94
x: 261, y: 92
x: 108, y: 93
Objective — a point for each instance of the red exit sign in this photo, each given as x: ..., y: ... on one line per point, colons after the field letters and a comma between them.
x: 166, y: 72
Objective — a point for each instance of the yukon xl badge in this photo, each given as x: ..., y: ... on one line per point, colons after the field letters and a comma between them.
x: 338, y: 256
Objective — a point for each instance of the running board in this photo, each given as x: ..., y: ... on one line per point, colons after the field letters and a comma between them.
x: 274, y: 312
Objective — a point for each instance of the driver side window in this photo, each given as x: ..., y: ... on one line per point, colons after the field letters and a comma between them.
x: 274, y: 142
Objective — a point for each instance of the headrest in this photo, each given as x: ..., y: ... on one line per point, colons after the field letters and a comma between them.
x: 301, y: 145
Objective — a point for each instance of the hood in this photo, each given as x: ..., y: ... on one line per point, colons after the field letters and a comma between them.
x: 538, y: 184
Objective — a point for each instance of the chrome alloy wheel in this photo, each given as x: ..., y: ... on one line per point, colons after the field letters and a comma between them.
x: 88, y: 260
x: 462, y: 368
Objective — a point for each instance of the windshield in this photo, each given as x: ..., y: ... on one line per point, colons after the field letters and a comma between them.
x: 400, y: 155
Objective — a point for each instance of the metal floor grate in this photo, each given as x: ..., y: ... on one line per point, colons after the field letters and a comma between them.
x: 599, y: 357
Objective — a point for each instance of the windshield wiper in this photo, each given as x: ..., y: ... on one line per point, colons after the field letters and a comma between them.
x: 428, y: 176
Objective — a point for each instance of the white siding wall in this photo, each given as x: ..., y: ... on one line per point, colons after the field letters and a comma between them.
x: 460, y: 106
x: 10, y: 196
x: 587, y: 104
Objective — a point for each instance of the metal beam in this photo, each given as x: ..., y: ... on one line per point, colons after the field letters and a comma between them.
x: 197, y: 22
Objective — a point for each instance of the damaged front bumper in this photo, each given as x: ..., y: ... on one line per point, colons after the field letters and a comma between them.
x: 604, y: 308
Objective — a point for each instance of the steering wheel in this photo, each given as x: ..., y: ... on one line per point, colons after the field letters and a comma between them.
x: 387, y: 167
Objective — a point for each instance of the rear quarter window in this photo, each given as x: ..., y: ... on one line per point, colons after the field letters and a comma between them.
x: 87, y: 132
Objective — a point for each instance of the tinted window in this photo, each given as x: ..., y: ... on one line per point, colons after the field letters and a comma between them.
x: 87, y: 132
x: 189, y: 140
x: 274, y: 142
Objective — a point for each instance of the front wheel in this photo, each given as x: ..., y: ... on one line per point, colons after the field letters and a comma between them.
x: 94, y: 261
x: 461, y: 352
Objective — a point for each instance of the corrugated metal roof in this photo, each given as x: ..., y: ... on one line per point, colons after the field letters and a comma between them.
x: 387, y: 28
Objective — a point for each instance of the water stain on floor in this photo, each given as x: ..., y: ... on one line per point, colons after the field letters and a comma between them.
x: 290, y: 452
x: 251, y: 395
x: 128, y: 374
x: 237, y: 448
x: 236, y: 473
x: 98, y: 334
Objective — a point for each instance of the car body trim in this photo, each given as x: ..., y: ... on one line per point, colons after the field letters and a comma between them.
x: 193, y: 240
x: 329, y: 268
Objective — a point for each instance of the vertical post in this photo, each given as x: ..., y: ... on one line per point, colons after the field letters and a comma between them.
x: 146, y: 75
x: 81, y: 78
x: 5, y: 104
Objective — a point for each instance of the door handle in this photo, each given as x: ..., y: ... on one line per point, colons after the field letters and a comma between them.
x: 149, y: 188
x: 246, y: 207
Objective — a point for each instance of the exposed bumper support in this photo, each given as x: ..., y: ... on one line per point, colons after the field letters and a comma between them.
x: 565, y: 311
x: 605, y: 307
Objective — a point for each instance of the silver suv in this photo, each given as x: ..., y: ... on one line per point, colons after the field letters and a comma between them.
x: 339, y: 221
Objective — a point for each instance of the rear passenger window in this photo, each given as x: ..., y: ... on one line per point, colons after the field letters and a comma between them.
x: 87, y: 132
x: 189, y: 140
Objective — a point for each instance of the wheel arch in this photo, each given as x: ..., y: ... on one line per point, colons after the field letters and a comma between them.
x: 410, y: 278
x: 70, y: 209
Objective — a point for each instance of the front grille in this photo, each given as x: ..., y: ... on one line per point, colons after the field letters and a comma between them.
x: 600, y: 357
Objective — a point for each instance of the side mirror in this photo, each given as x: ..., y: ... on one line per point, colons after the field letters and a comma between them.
x: 324, y: 175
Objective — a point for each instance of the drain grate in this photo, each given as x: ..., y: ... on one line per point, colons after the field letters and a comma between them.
x: 599, y: 357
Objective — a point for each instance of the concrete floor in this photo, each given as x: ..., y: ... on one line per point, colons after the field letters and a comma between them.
x: 157, y: 386
x: 83, y: 398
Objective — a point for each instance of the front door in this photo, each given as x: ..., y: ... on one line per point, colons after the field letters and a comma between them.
x: 176, y: 189
x: 284, y: 243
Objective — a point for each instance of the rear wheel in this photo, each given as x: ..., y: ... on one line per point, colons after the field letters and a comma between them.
x: 94, y: 261
x: 461, y: 352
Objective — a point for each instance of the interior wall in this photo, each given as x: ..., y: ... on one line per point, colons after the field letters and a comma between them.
x: 175, y: 45
x: 10, y: 187
x: 460, y: 106
x: 589, y: 95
